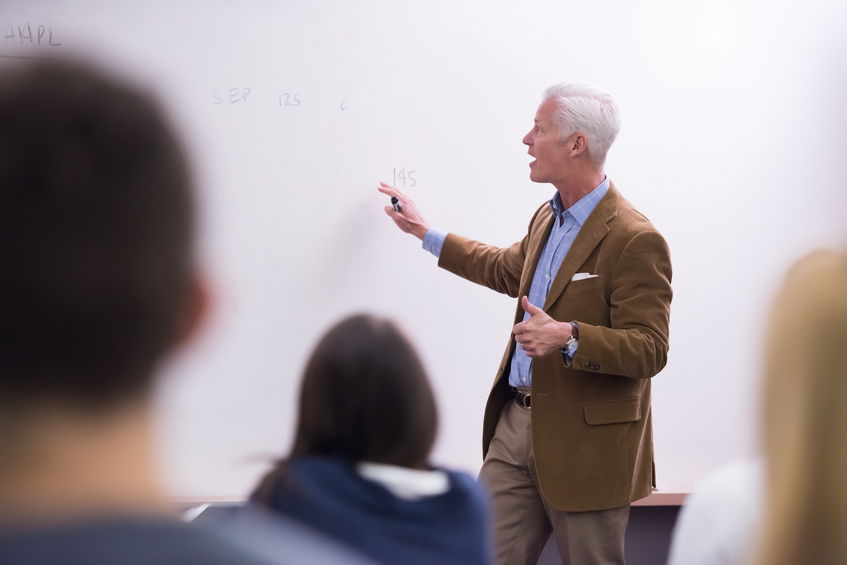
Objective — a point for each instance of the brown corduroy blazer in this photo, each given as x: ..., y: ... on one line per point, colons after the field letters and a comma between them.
x: 591, y: 422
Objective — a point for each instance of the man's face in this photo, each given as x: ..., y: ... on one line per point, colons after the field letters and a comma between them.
x: 551, y: 154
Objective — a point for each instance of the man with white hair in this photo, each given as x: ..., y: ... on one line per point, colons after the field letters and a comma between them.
x: 567, y: 434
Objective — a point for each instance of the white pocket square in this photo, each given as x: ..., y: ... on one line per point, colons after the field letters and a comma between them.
x: 583, y: 276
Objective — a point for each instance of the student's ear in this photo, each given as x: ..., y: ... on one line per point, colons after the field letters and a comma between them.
x: 195, y: 312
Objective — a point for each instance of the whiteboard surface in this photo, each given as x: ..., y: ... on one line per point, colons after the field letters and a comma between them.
x: 292, y: 112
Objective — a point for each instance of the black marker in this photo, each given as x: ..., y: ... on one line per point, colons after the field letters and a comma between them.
x: 396, y: 203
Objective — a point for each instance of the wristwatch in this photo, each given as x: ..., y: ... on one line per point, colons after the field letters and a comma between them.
x: 574, y: 338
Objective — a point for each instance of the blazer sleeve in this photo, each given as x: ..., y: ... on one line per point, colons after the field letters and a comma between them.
x: 498, y: 268
x: 636, y: 344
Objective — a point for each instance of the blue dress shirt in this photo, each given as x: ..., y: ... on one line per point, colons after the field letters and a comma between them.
x: 562, y: 236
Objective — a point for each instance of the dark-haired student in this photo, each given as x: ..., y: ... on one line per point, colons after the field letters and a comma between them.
x: 98, y: 285
x: 359, y: 468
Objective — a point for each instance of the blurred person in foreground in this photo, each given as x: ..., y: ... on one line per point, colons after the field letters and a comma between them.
x: 98, y: 285
x: 791, y: 507
x: 359, y: 468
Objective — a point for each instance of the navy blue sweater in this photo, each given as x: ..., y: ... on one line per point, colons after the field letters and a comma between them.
x: 330, y: 496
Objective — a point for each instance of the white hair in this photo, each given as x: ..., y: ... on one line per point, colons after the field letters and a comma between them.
x: 582, y: 108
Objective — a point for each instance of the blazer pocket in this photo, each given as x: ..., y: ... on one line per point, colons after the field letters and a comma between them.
x: 600, y: 413
x: 586, y: 285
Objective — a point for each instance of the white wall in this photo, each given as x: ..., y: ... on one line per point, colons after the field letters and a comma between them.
x: 731, y: 144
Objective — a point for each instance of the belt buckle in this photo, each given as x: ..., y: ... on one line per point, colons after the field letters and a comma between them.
x: 523, y: 399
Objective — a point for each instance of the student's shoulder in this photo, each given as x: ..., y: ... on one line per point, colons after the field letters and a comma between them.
x: 196, y: 545
x: 129, y: 541
x: 280, y: 540
x: 464, y: 484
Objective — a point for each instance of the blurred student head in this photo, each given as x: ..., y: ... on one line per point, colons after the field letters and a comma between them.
x: 805, y: 417
x: 365, y: 397
x: 97, y: 218
x: 97, y: 281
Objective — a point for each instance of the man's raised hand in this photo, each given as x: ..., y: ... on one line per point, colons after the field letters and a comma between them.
x: 408, y: 218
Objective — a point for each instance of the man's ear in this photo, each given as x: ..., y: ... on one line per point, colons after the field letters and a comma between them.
x: 195, y: 311
x: 579, y: 144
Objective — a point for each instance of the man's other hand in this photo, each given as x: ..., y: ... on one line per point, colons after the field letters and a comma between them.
x: 540, y: 334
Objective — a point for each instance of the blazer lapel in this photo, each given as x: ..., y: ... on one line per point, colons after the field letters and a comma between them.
x: 590, y: 235
x: 537, y: 241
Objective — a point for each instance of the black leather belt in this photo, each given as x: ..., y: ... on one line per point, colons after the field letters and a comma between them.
x: 523, y: 398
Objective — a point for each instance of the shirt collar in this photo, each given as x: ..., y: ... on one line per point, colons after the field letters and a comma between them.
x: 582, y: 208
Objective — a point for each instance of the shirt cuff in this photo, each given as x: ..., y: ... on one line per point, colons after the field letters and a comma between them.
x: 569, y: 352
x: 433, y: 241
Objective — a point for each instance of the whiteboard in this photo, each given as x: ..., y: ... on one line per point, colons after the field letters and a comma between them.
x: 732, y: 144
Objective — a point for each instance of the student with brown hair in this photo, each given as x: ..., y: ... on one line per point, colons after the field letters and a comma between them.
x: 98, y: 284
x: 359, y: 468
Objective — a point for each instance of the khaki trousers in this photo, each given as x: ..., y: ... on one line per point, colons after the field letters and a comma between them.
x: 523, y: 519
